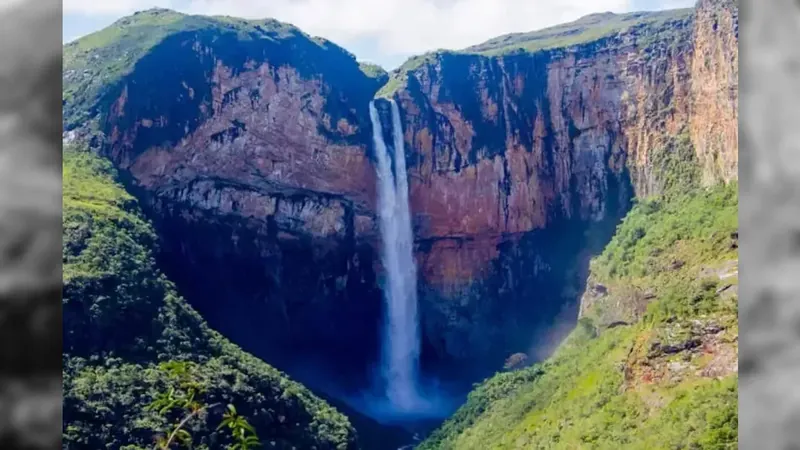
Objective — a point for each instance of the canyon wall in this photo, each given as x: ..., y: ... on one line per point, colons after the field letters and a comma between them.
x: 253, y: 159
x: 524, y: 162
x: 250, y: 157
x: 714, y: 123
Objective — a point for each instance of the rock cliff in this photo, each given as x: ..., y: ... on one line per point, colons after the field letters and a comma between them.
x: 522, y: 137
x: 715, y: 89
x: 248, y: 143
x: 245, y: 142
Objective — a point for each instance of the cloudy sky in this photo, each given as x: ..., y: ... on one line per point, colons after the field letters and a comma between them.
x: 381, y: 31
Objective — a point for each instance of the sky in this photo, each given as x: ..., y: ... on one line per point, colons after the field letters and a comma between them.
x: 384, y: 32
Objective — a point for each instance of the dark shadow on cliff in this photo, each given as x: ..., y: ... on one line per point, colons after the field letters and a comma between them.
x: 532, y: 296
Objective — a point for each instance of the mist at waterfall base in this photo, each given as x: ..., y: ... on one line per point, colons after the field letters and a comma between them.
x: 399, y: 393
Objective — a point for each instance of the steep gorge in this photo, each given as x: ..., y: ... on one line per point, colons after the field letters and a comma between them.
x: 248, y: 144
x: 525, y: 162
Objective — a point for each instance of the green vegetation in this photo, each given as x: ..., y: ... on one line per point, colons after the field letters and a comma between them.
x: 663, y: 381
x: 395, y: 83
x: 675, y: 166
x: 581, y: 31
x: 244, y: 435
x: 186, y: 397
x: 503, y: 385
x: 127, y: 333
x: 399, y: 76
x: 97, y: 61
x: 373, y: 70
x: 415, y: 62
x: 691, y: 228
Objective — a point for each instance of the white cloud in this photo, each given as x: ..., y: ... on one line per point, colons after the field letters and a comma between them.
x: 111, y: 7
x: 412, y: 26
x: 660, y: 4
x: 389, y: 27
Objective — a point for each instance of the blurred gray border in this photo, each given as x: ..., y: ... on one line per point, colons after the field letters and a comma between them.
x: 30, y: 224
x: 769, y: 218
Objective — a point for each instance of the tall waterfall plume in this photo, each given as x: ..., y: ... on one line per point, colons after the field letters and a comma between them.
x: 400, y: 359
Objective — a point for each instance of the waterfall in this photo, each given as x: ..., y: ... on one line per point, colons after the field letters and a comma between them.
x: 400, y: 359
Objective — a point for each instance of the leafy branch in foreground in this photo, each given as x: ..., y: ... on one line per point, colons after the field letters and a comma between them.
x: 186, y: 398
x: 243, y: 433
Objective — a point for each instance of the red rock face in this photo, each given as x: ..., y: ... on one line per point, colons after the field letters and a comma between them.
x: 554, y: 153
x: 715, y: 90
x: 450, y: 261
x: 529, y: 141
x: 257, y: 178
x: 273, y: 147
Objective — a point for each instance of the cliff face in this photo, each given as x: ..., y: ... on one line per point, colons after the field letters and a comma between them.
x: 715, y: 89
x: 270, y: 200
x: 245, y: 142
x: 514, y: 145
x: 249, y: 145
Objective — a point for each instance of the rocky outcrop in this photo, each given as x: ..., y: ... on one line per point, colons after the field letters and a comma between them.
x: 697, y: 349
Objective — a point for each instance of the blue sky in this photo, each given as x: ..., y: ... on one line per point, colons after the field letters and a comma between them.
x: 381, y: 31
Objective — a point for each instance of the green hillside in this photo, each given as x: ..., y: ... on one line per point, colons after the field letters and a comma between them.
x: 123, y: 320
x: 652, y: 362
x: 584, y: 30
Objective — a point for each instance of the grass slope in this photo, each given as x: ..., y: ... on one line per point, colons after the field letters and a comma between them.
x: 122, y: 317
x: 584, y: 30
x: 663, y: 379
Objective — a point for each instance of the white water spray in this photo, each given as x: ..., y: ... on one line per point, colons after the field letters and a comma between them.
x: 401, y: 335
